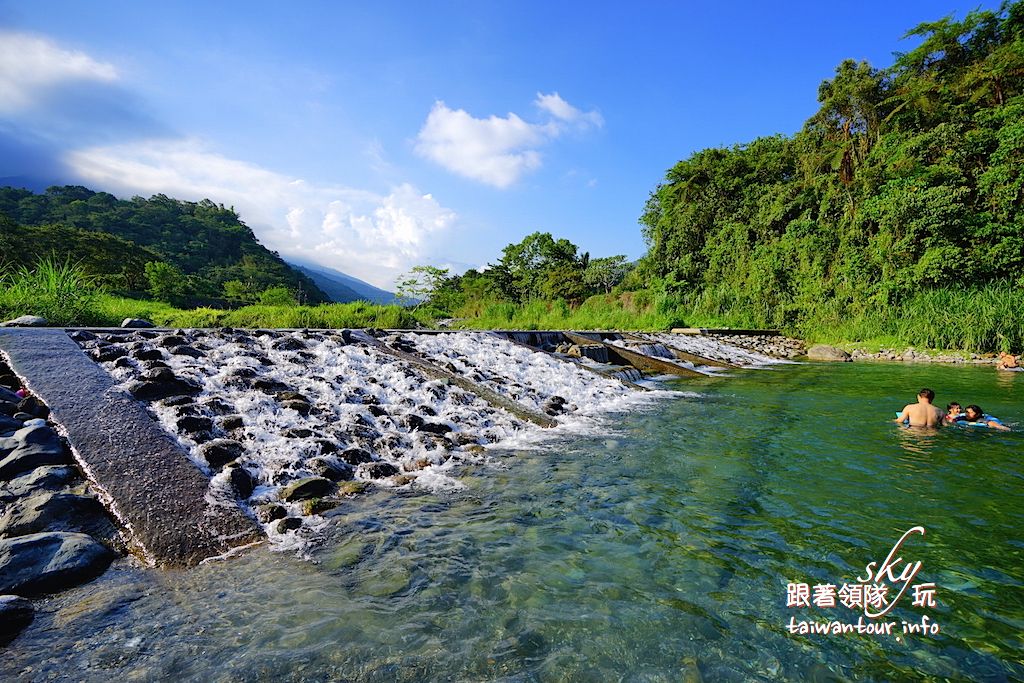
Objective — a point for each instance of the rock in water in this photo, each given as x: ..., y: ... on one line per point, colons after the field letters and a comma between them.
x: 136, y: 322
x: 826, y: 352
x: 310, y: 487
x: 26, y: 321
x: 15, y: 614
x: 50, y: 562
x: 30, y: 448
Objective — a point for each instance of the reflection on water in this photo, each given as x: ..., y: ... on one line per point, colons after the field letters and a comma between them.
x: 660, y: 553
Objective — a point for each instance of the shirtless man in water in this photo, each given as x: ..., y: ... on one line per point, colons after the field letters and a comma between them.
x: 922, y: 413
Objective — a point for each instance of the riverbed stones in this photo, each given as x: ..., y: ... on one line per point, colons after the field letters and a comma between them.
x: 355, y: 456
x: 194, y: 424
x: 242, y: 482
x: 378, y: 470
x: 269, y: 512
x: 827, y: 352
x: 50, y: 562
x: 49, y: 478
x: 16, y: 613
x: 288, y: 524
x: 328, y: 468
x: 309, y: 487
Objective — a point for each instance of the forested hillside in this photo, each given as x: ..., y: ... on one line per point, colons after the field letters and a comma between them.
x: 906, y: 185
x: 198, y: 251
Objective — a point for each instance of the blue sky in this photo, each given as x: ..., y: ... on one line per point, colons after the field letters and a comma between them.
x: 371, y: 137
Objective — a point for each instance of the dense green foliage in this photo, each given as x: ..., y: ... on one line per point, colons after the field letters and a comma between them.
x: 114, y: 239
x: 906, y: 186
x: 59, y: 292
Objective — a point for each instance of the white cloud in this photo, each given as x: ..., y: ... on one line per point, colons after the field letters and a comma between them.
x: 562, y: 110
x: 368, y: 235
x: 496, y: 150
x: 31, y: 64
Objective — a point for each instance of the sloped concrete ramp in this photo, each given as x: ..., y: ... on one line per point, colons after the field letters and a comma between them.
x: 144, y: 477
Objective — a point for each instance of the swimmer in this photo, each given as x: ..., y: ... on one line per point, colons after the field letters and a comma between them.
x: 954, y: 413
x: 922, y: 413
x: 977, y: 416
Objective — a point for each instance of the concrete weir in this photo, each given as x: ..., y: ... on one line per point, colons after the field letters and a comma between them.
x: 144, y: 477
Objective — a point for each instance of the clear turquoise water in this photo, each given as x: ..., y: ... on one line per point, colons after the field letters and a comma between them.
x: 659, y: 553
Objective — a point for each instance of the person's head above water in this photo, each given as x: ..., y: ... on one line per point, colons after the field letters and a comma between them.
x: 974, y: 412
x: 953, y: 408
x: 926, y: 394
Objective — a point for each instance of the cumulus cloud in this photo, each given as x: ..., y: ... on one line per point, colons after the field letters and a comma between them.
x: 496, y: 150
x: 372, y: 236
x: 30, y: 65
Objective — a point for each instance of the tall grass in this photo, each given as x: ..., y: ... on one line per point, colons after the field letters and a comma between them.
x: 56, y: 290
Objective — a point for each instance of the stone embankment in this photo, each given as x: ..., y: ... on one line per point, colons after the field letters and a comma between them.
x: 913, y: 356
x: 776, y: 346
x: 54, y: 533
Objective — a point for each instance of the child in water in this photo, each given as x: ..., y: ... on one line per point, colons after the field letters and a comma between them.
x: 954, y: 413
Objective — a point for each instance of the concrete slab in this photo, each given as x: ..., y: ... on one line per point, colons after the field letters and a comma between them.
x: 142, y: 475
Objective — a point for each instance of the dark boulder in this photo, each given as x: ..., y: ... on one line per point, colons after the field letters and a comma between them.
x: 105, y: 354
x: 297, y: 433
x: 16, y: 613
x: 242, y: 482
x: 288, y: 344
x: 220, y: 452
x: 377, y: 411
x: 379, y: 470
x: 50, y: 511
x: 310, y: 487
x: 184, y: 350
x: 50, y: 562
x: 435, y: 428
x: 9, y: 424
x: 269, y: 512
x: 328, y: 468
x: 355, y: 456
x: 81, y: 336
x: 412, y: 422
x: 34, y: 407
x: 301, y: 407
x: 288, y: 524
x: 149, y: 354
x: 193, y: 424
x: 270, y: 386
x: 230, y: 423
x: 29, y: 448
x: 49, y: 478
x: 171, y: 340
x: 154, y: 390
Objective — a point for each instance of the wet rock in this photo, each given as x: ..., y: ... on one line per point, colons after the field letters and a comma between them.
x: 310, y: 487
x: 220, y: 452
x: 50, y: 478
x: 241, y: 480
x: 148, y: 354
x: 377, y: 411
x: 412, y: 422
x: 9, y: 424
x: 185, y: 350
x: 330, y: 469
x: 355, y: 456
x: 288, y: 524
x: 106, y: 354
x: 826, y: 352
x: 50, y: 562
x: 402, y: 479
x: 435, y: 428
x: 26, y: 321
x: 464, y: 438
x: 34, y: 407
x: 171, y: 340
x: 351, y: 488
x: 378, y: 470
x: 326, y: 446
x: 301, y: 407
x: 194, y: 424
x: 124, y: 362
x: 31, y: 447
x: 427, y: 410
x: 154, y: 390
x: 217, y: 406
x: 288, y: 344
x: 230, y: 423
x: 81, y: 336
x: 268, y: 512
x: 297, y: 433
x: 270, y: 386
x: 16, y: 613
x: 50, y: 511
x: 136, y: 323
x: 242, y: 373
x: 178, y: 401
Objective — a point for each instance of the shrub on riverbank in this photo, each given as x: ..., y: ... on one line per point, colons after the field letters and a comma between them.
x: 55, y: 290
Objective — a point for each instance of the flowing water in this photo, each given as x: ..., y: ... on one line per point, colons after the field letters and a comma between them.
x: 657, y: 550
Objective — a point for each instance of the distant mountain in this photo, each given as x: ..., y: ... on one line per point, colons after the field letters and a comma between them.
x: 341, y: 287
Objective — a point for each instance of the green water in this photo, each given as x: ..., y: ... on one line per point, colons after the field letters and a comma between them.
x: 659, y: 553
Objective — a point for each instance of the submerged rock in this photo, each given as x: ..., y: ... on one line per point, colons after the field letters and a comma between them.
x: 268, y: 512
x: 310, y: 487
x: 50, y: 562
x: 16, y: 613
x: 378, y: 470
x: 288, y: 524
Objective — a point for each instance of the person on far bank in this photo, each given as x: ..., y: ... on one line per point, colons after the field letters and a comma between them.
x: 922, y: 413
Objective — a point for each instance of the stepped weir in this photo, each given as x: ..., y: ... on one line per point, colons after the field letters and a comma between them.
x: 200, y: 441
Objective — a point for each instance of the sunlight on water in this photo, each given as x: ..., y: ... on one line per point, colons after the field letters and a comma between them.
x: 658, y: 550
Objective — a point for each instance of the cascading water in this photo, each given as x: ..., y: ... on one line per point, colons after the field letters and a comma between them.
x: 709, y: 347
